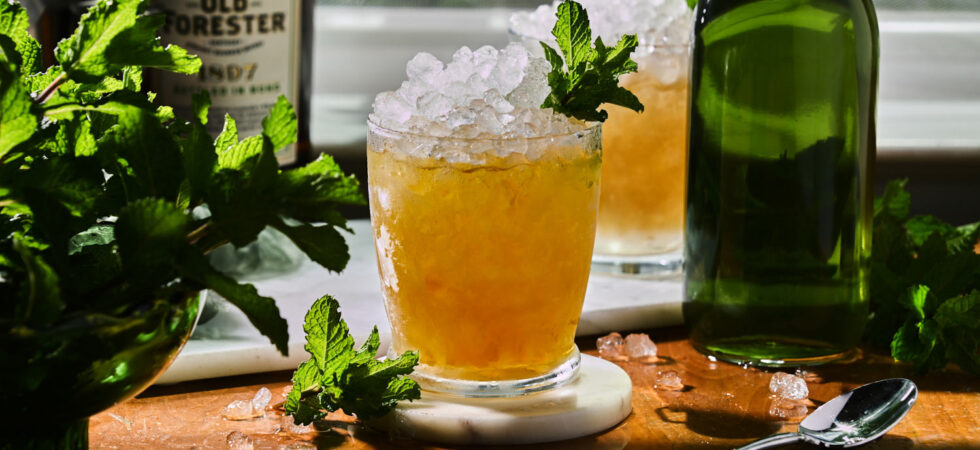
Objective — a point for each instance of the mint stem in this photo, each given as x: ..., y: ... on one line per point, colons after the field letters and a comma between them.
x: 46, y: 94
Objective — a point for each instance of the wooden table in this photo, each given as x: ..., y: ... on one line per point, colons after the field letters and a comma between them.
x: 722, y: 406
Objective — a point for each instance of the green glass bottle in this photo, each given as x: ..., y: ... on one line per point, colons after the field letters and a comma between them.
x: 780, y: 191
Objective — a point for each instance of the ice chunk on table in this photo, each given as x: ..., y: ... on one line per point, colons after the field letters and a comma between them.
x: 238, y: 410
x: 237, y: 440
x: 611, y: 348
x: 261, y: 400
x: 791, y: 387
x: 668, y: 381
x: 639, y: 347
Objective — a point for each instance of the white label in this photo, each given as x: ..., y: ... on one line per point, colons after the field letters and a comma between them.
x: 250, y: 54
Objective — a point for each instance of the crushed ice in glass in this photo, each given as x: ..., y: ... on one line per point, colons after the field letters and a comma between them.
x: 238, y: 410
x: 480, y: 93
x: 639, y: 347
x: 668, y: 381
x: 788, y: 386
x: 611, y: 347
x: 655, y: 22
x: 261, y: 400
x: 237, y: 440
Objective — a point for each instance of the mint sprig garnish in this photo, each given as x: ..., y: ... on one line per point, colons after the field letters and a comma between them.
x: 925, y: 286
x: 588, y: 76
x: 109, y: 202
x: 338, y: 377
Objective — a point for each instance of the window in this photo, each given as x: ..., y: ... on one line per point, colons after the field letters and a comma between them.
x: 930, y: 54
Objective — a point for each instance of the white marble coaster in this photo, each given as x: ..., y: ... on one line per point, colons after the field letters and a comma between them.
x: 598, y: 400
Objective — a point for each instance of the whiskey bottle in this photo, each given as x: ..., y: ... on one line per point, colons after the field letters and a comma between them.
x: 252, y: 51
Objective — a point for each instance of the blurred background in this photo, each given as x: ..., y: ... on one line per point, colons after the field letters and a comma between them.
x: 929, y: 97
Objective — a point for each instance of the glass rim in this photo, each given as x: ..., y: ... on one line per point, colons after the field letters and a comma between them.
x: 590, y: 128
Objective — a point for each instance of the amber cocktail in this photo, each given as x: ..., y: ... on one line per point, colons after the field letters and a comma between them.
x: 484, y: 248
x: 641, y: 211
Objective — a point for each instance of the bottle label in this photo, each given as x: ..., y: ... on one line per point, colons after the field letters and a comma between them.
x: 250, y: 51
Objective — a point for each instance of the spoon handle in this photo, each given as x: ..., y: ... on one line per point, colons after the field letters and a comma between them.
x: 773, y: 441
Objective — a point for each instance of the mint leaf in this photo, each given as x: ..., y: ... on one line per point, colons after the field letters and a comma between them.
x: 228, y: 137
x: 918, y: 296
x: 920, y: 228
x: 960, y: 312
x: 338, y: 377
x: 588, y: 76
x: 198, y: 152
x: 692, y: 3
x: 14, y: 23
x: 43, y: 294
x: 150, y: 232
x: 281, y: 126
x: 113, y: 35
x: 261, y: 311
x: 323, y: 244
x: 321, y: 181
x: 140, y: 46
x: 97, y: 235
x: 17, y: 122
x: 241, y: 193
x: 574, y: 37
x: 894, y: 201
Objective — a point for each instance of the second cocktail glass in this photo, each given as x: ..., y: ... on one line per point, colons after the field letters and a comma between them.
x: 641, y: 209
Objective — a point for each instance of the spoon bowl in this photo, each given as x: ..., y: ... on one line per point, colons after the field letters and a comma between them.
x: 853, y: 418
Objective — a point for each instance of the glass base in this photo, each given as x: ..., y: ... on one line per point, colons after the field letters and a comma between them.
x: 665, y: 266
x: 561, y: 375
x: 750, y: 352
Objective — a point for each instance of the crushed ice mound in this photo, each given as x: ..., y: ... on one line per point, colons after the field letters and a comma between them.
x: 655, y: 22
x: 482, y: 93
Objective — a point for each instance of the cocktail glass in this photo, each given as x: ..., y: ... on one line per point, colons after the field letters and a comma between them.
x: 484, y: 249
x: 644, y: 173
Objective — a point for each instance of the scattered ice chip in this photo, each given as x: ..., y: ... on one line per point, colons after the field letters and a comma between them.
x: 238, y: 410
x: 287, y: 425
x: 237, y: 440
x: 668, y: 381
x: 788, y: 386
x: 791, y: 410
x: 639, y: 347
x: 261, y: 400
x: 611, y: 347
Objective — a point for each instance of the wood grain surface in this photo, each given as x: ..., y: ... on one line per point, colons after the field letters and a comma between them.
x: 721, y: 406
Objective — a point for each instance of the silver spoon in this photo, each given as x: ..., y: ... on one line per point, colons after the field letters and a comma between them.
x: 853, y: 418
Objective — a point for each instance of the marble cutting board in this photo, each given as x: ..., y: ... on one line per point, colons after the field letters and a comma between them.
x: 229, y: 345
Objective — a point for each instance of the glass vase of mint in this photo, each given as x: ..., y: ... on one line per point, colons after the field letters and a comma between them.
x: 109, y: 205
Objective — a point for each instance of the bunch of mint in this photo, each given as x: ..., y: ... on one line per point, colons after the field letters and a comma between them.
x: 588, y: 76
x: 926, y: 285
x: 337, y: 377
x: 108, y: 202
